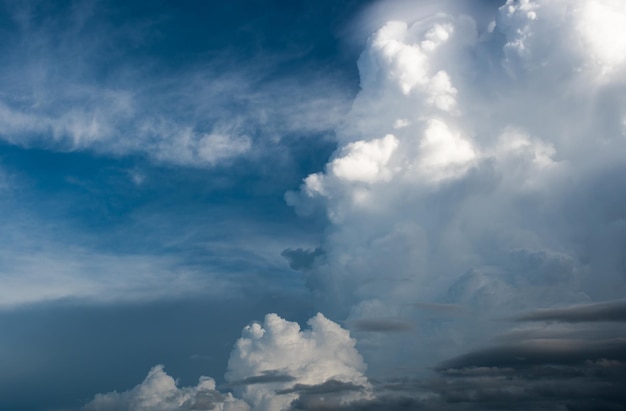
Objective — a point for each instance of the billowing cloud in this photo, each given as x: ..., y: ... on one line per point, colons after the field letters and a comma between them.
x: 481, y: 166
x: 159, y: 392
x: 323, y: 353
x: 273, y: 365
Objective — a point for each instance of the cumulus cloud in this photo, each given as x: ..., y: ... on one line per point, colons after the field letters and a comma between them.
x: 323, y: 353
x: 159, y: 392
x: 480, y: 166
x: 272, y: 366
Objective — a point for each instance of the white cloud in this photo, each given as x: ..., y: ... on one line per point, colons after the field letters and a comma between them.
x: 55, y: 96
x: 365, y: 161
x: 603, y: 25
x: 159, y: 392
x: 272, y: 365
x: 311, y: 357
x: 443, y: 153
x: 502, y: 190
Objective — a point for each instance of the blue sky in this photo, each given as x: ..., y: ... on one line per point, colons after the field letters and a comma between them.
x: 185, y: 186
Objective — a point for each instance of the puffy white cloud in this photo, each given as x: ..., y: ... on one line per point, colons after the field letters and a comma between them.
x: 159, y: 392
x: 442, y: 153
x: 365, y: 161
x: 272, y: 365
x: 503, y: 188
x: 324, y: 353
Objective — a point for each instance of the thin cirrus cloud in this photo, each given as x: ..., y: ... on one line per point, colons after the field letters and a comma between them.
x: 112, y: 98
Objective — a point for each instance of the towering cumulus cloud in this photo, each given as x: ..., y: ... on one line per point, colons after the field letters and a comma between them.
x: 273, y: 365
x: 480, y: 168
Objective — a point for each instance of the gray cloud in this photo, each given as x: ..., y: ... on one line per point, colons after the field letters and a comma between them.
x: 532, y: 352
x: 614, y: 311
x: 441, y: 309
x: 331, y: 386
x: 328, y: 395
x: 381, y: 325
x: 267, y: 377
x: 586, y: 386
x: 300, y: 259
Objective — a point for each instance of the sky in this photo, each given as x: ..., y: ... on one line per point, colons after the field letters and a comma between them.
x: 273, y: 205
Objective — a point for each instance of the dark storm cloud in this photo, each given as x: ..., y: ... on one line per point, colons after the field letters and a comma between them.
x: 575, y: 368
x: 534, y: 352
x: 543, y: 386
x: 614, y: 311
x: 588, y: 386
x: 326, y: 396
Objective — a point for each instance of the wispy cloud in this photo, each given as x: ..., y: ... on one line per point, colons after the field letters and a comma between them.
x: 75, y: 80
